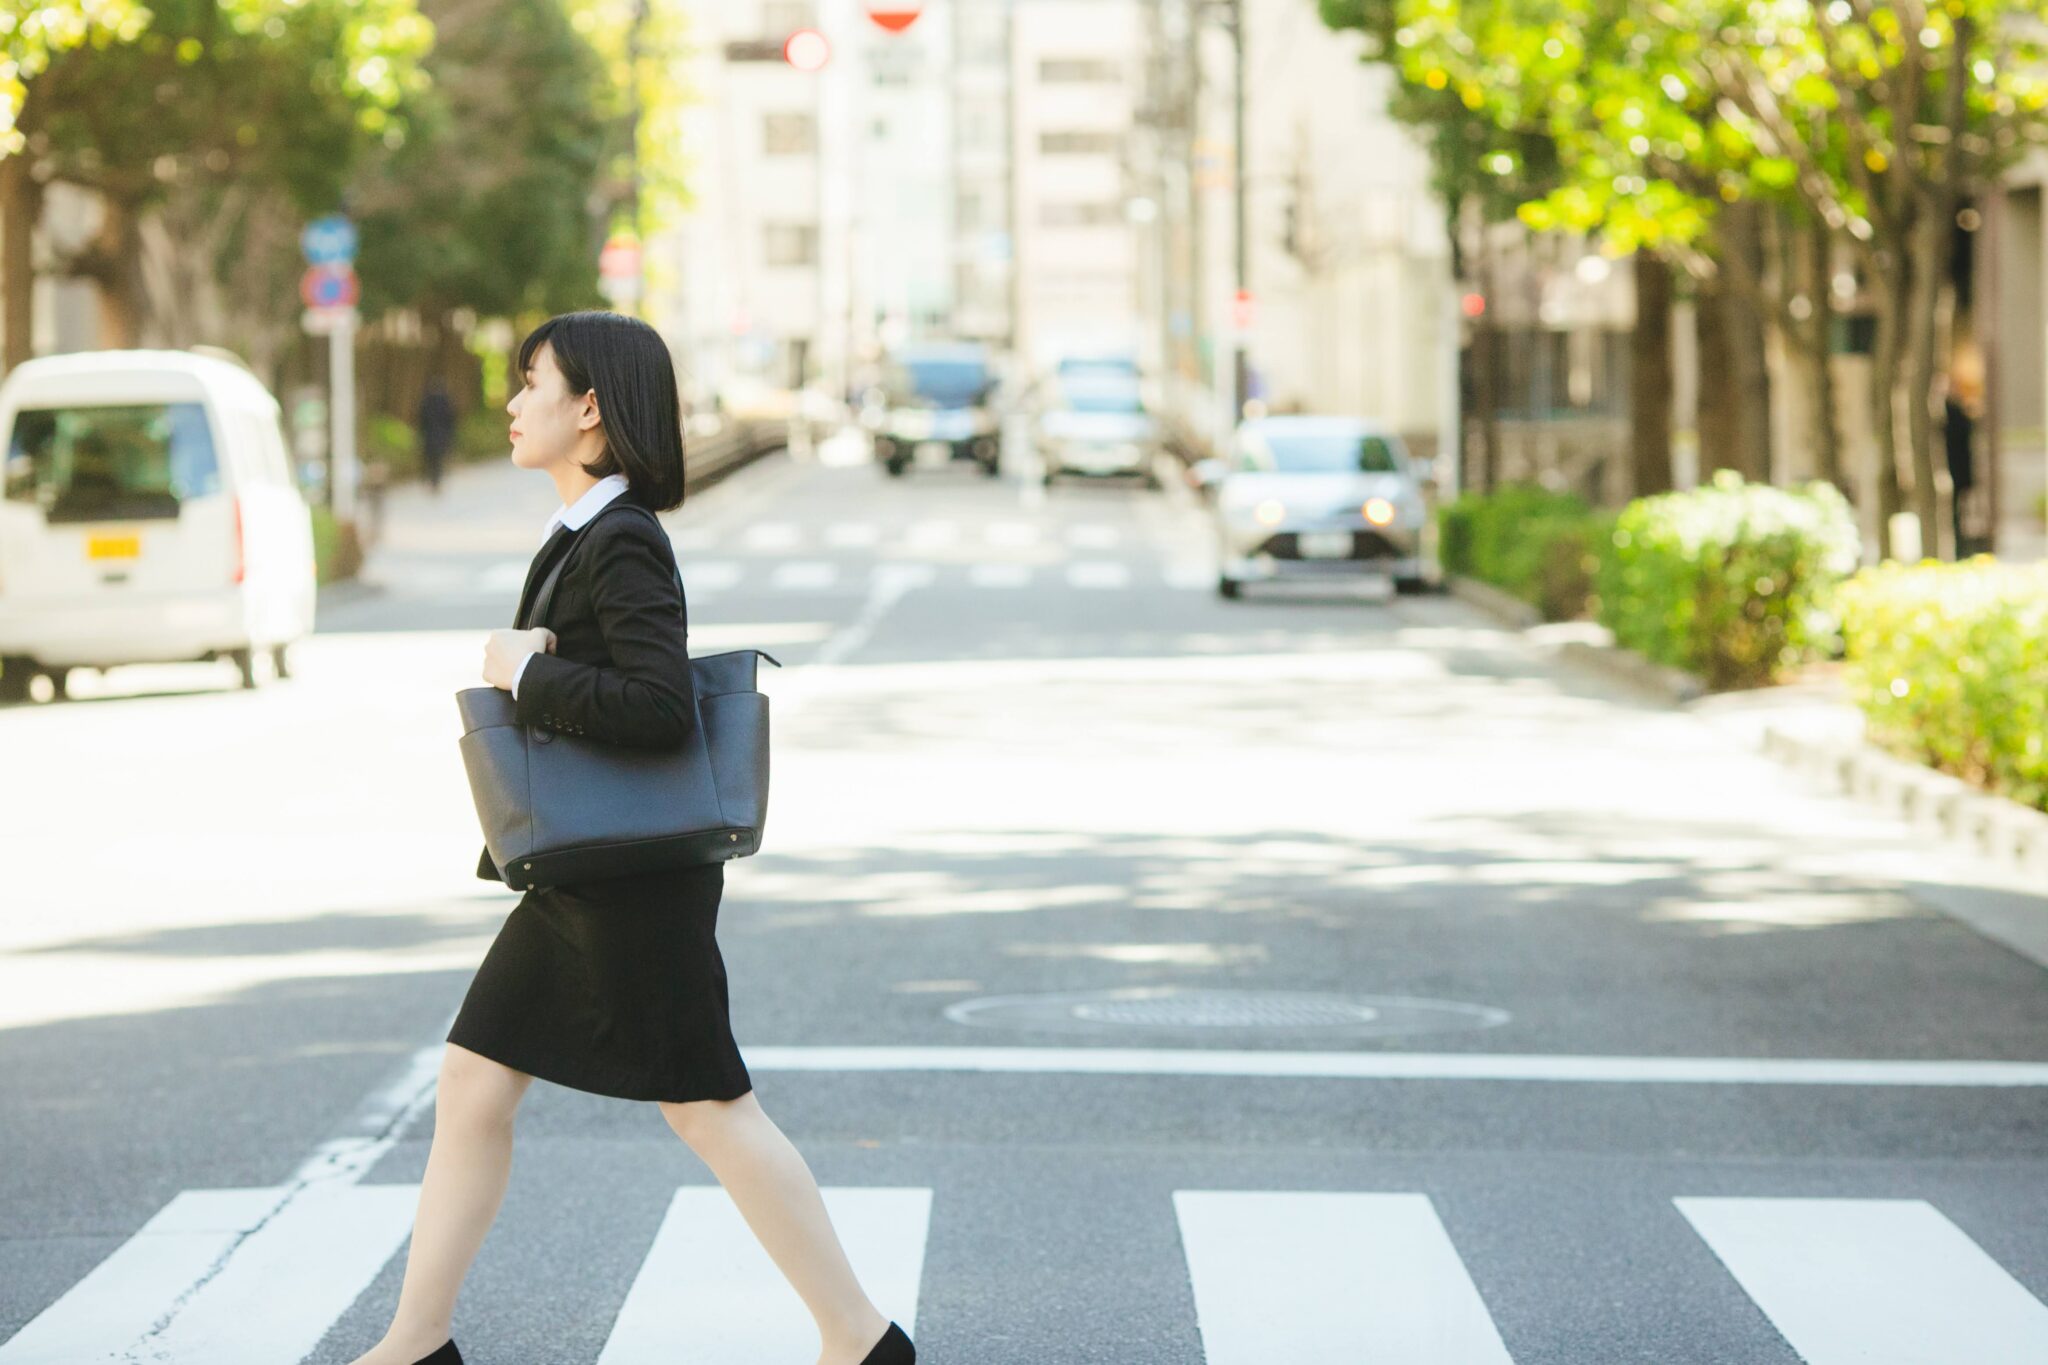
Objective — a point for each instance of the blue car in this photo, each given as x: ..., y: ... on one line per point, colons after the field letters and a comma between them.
x: 935, y: 406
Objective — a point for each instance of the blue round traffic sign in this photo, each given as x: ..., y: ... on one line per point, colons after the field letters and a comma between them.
x: 329, y: 240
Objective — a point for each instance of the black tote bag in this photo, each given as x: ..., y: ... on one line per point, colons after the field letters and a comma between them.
x: 559, y: 808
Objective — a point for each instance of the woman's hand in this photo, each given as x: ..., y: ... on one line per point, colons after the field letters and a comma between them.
x: 505, y: 650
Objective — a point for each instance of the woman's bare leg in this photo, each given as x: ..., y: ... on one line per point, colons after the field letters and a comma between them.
x: 774, y: 1190
x: 467, y: 1170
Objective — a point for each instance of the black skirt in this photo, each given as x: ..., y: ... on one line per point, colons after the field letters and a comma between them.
x: 613, y: 986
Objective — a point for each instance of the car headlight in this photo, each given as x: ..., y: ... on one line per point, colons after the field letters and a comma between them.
x: 1270, y: 512
x: 1379, y: 511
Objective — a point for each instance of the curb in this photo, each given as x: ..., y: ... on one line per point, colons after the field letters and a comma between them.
x: 1503, y: 607
x: 343, y: 591
x: 1925, y: 797
x: 1672, y: 685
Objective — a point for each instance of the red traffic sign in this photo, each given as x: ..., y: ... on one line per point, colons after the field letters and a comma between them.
x: 807, y: 50
x: 894, y: 15
x: 331, y: 284
x: 620, y: 259
x: 1244, y: 310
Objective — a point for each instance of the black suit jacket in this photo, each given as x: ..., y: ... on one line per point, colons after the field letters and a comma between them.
x: 620, y: 670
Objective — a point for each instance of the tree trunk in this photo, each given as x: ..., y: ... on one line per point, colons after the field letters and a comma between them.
x: 21, y: 200
x: 1650, y: 378
x: 1892, y: 273
x: 1932, y: 490
x: 1741, y: 232
x: 117, y: 251
x: 1486, y: 358
x: 1719, y: 435
x: 1815, y: 344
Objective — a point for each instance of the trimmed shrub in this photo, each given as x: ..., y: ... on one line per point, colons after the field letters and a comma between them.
x: 1949, y: 663
x: 1538, y: 545
x: 337, y: 551
x: 1731, y: 580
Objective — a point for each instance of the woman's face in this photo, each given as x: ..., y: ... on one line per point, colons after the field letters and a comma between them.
x: 548, y: 425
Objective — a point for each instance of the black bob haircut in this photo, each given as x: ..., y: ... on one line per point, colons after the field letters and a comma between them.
x: 628, y: 364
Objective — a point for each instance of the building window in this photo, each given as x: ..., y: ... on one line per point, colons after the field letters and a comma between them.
x: 1079, y: 71
x: 789, y: 134
x: 1077, y: 141
x: 780, y: 18
x: 790, y: 244
x: 1086, y: 213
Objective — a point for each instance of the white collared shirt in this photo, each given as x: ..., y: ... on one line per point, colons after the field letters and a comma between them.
x: 575, y: 516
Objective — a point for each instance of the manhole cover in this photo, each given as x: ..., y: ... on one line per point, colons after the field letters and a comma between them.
x: 1167, y: 1008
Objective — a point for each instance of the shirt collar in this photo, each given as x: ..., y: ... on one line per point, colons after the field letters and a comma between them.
x: 593, y: 500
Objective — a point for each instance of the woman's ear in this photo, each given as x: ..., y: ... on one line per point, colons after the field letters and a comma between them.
x: 589, y: 417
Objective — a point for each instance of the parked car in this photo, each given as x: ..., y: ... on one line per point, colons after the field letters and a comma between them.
x: 935, y: 404
x: 1093, y: 421
x: 1315, y: 497
x: 149, y: 514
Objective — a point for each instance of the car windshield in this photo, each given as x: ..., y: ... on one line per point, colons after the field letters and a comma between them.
x: 92, y: 463
x: 1322, y: 454
x: 1110, y: 398
x: 1097, y: 367
x: 947, y: 382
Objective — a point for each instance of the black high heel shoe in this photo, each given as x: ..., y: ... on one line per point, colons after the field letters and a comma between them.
x: 893, y: 1349
x: 447, y: 1355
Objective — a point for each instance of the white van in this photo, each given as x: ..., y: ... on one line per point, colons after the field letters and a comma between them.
x: 149, y: 514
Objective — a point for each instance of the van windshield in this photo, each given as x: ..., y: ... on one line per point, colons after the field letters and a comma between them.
x: 96, y: 463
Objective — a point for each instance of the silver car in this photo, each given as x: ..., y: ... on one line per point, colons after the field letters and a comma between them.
x: 1316, y: 497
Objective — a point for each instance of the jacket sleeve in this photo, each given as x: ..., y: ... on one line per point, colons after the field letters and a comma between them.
x: 644, y: 698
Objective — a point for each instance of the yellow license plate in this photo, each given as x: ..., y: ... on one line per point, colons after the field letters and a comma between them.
x: 113, y: 547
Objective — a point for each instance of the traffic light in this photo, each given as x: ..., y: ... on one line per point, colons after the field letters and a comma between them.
x: 806, y: 50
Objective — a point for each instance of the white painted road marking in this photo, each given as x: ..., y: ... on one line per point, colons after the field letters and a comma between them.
x: 1097, y: 573
x: 226, y: 1277
x: 1093, y: 535
x: 805, y: 573
x: 1422, y: 1066
x: 709, y: 575
x: 770, y: 535
x: 1317, y: 1278
x: 852, y: 535
x: 707, y: 1283
x: 1872, y: 1281
x: 109, y: 1310
x: 999, y: 575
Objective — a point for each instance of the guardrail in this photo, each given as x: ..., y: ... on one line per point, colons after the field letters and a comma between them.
x: 709, y: 457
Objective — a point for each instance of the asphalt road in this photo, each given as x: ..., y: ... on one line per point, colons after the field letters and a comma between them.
x: 1148, y: 978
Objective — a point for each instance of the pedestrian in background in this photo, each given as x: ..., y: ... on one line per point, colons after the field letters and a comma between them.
x: 436, y: 423
x: 614, y: 986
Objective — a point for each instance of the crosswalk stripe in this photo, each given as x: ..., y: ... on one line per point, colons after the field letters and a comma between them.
x: 930, y: 535
x: 999, y: 575
x: 1010, y: 534
x: 507, y: 576
x: 1872, y: 1280
x: 1188, y: 574
x: 770, y: 535
x: 706, y: 1288
x: 710, y: 575
x: 268, y: 1286
x: 1329, y: 1279
x: 852, y: 535
x: 289, y: 1281
x: 1093, y: 535
x: 805, y: 573
x: 101, y: 1315
x: 1097, y: 573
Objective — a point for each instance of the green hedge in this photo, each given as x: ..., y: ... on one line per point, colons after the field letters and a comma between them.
x: 1541, y: 546
x: 1949, y: 663
x: 1731, y: 580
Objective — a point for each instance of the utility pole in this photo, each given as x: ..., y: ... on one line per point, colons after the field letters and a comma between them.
x: 1240, y: 378
x: 634, y: 34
